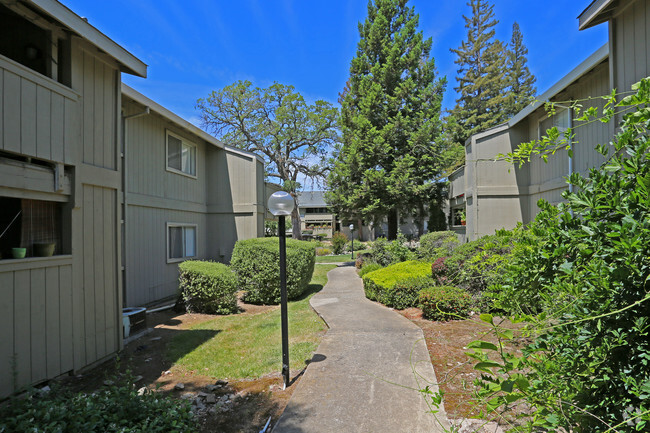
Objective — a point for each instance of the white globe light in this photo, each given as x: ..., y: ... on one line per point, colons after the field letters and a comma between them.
x: 351, y: 226
x: 281, y: 203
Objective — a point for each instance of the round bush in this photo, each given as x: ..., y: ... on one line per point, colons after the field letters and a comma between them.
x: 257, y: 265
x: 437, y: 244
x: 208, y: 287
x: 444, y: 303
x: 378, y: 284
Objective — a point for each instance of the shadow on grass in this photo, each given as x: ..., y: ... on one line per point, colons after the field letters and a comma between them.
x: 312, y: 289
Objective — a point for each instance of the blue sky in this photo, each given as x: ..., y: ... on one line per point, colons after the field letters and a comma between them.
x: 195, y: 46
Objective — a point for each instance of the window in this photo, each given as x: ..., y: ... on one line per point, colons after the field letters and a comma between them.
x: 560, y: 120
x: 33, y: 226
x: 181, y: 155
x: 181, y: 241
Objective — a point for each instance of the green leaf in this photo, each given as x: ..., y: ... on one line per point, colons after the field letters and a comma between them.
x: 486, y: 365
x: 484, y: 345
x: 487, y: 318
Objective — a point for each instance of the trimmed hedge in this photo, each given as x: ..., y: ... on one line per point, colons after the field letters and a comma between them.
x: 444, y: 303
x: 208, y: 287
x: 368, y: 267
x: 257, y: 265
x: 397, y: 285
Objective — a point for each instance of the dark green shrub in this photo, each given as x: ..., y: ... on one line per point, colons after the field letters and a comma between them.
x: 444, y: 303
x: 358, y: 246
x: 587, y: 369
x: 379, y: 285
x: 338, y: 242
x: 117, y: 408
x: 405, y: 293
x: 386, y: 253
x: 369, y: 267
x: 208, y: 287
x: 437, y: 244
x: 257, y: 265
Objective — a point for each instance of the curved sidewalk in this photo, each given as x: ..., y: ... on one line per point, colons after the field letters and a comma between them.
x: 359, y: 377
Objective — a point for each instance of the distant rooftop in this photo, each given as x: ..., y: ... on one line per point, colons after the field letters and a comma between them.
x: 311, y: 199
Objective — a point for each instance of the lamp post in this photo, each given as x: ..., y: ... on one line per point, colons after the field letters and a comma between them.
x: 352, y: 236
x: 281, y: 204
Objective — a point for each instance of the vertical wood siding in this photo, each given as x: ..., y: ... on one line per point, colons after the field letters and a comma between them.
x: 96, y: 297
x: 35, y: 324
x: 149, y: 276
x: 97, y: 81
x: 33, y: 112
x: 147, y: 161
x: 632, y: 45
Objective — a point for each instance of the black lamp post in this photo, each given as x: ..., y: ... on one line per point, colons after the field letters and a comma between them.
x: 281, y: 204
x: 352, y: 236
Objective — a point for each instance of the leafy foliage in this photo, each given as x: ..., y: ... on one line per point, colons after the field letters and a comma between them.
x: 520, y: 80
x: 277, y: 123
x: 387, y: 252
x: 481, y: 74
x: 338, y: 242
x: 208, y: 287
x: 444, y: 303
x: 369, y: 267
x: 390, y: 120
x: 118, y: 408
x: 257, y: 264
x: 587, y: 370
x: 397, y: 285
x: 437, y: 244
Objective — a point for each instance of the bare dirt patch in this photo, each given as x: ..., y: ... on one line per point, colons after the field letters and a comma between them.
x: 221, y: 404
x: 447, y: 343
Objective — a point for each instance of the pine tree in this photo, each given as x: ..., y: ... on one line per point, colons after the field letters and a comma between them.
x: 520, y: 81
x: 390, y: 119
x: 481, y: 74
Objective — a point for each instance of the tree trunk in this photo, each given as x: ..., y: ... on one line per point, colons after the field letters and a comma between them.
x: 295, y: 223
x: 392, y: 225
x: 419, y: 221
x: 360, y: 229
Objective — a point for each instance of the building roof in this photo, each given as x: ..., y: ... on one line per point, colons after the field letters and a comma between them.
x: 597, y: 12
x: 587, y: 65
x: 127, y: 61
x: 311, y: 199
x: 138, y: 97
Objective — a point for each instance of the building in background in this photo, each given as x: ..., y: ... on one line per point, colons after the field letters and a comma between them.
x: 494, y: 194
x: 102, y: 193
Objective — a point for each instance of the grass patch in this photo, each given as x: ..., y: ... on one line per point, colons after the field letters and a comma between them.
x: 248, y: 346
x: 336, y: 259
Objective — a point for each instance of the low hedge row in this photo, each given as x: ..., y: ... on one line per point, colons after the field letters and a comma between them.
x: 208, y: 287
x: 397, y: 285
x: 255, y: 261
x: 444, y: 303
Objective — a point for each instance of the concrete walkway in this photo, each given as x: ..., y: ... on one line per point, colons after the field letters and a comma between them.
x: 358, y: 376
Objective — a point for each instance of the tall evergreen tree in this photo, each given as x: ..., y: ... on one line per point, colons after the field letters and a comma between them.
x: 481, y: 74
x: 389, y: 157
x: 521, y: 82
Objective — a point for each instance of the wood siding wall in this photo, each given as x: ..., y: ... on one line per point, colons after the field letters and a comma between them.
x: 36, y: 114
x: 63, y: 313
x: 630, y: 45
x: 36, y: 321
x: 222, y: 200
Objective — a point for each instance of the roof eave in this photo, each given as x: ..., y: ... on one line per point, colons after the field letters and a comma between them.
x: 127, y: 61
x: 587, y: 65
x: 596, y: 13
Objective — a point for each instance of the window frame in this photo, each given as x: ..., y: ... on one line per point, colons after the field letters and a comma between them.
x: 185, y: 257
x: 184, y: 142
x: 558, y: 112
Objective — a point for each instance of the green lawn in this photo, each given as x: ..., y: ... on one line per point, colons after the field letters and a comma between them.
x: 247, y: 346
x: 335, y: 259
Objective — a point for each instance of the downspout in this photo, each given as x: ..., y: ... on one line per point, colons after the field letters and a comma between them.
x: 125, y: 196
